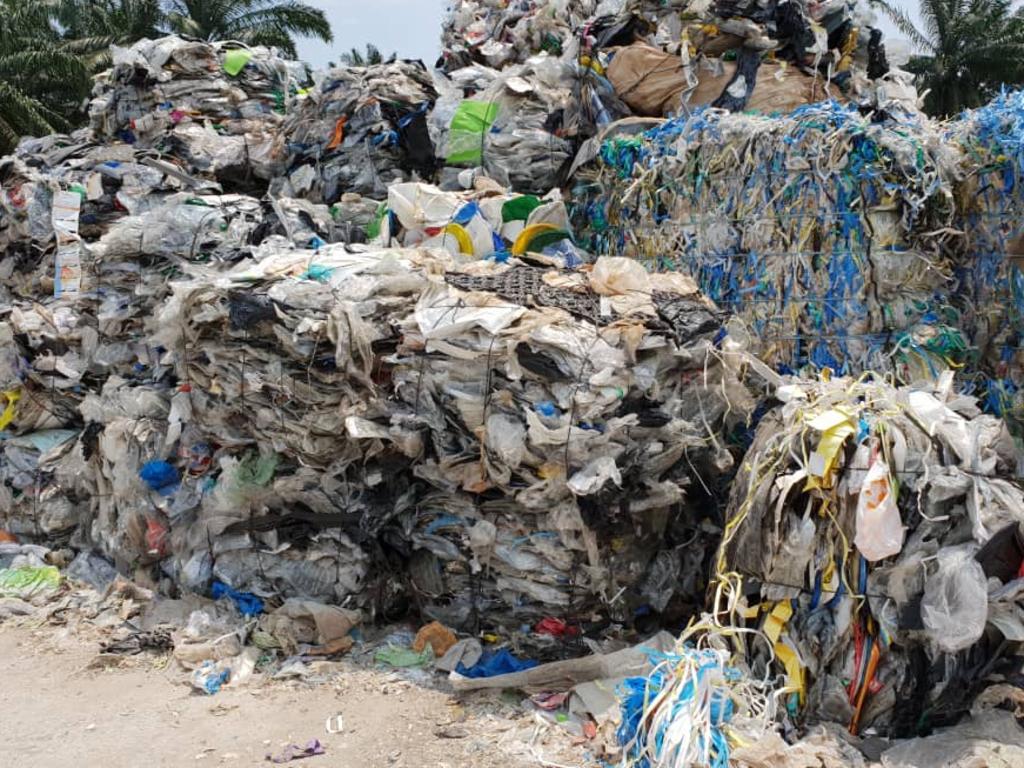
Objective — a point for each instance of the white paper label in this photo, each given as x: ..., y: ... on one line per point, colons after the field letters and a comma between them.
x: 67, y: 280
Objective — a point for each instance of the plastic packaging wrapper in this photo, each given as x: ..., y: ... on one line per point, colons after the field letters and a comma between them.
x: 886, y: 642
x: 489, y: 224
x: 359, y: 130
x: 829, y: 236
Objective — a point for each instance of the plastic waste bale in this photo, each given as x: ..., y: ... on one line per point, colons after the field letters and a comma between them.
x: 532, y: 403
x: 215, y: 106
x: 663, y: 57
x: 844, y: 605
x: 369, y: 394
x: 282, y: 411
x: 989, y: 204
x: 359, y: 130
x: 499, y: 34
x: 784, y: 236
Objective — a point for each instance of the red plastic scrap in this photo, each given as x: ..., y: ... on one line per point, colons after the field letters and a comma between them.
x: 555, y: 628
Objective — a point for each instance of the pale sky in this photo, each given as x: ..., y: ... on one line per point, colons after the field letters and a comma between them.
x: 412, y: 28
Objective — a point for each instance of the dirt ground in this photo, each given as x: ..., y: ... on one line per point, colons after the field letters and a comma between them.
x: 57, y: 709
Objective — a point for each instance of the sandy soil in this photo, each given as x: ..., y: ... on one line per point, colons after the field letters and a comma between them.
x: 58, y: 709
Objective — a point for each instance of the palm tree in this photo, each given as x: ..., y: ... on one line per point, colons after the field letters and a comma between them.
x: 968, y: 50
x: 42, y: 83
x: 355, y: 57
x: 92, y: 26
x: 255, y: 22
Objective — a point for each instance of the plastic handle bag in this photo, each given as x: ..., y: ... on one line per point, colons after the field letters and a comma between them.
x: 879, y: 527
x: 954, y: 607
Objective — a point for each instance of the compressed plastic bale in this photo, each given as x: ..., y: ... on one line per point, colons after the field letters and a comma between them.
x: 360, y: 130
x: 633, y: 202
x: 929, y: 596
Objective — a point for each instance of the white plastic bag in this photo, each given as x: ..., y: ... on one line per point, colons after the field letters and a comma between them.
x: 879, y: 527
x: 954, y: 607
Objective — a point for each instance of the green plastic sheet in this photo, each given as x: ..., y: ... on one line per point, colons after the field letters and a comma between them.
x: 397, y: 656
x: 28, y: 581
x: 235, y: 60
x: 472, y: 120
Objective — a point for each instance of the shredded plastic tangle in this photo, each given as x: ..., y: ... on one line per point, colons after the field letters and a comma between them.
x: 816, y: 229
x: 679, y: 714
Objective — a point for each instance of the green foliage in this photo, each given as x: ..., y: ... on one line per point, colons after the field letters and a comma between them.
x: 42, y: 82
x: 967, y: 50
x: 254, y: 22
x: 356, y: 58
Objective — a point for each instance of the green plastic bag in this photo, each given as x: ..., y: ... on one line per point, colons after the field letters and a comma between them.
x: 472, y: 120
x: 235, y: 60
x: 519, y: 208
x: 247, y: 479
x: 28, y: 581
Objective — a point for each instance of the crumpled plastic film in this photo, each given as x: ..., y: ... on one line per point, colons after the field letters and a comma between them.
x: 359, y: 130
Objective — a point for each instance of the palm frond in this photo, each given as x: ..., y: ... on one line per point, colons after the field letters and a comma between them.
x: 902, y: 21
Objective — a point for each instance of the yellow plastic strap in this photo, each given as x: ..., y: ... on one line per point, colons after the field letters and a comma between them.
x: 12, y: 396
x: 835, y: 426
x: 776, y: 621
x: 794, y: 672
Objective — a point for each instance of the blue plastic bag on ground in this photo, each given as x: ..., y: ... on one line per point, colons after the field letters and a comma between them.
x: 498, y: 663
x: 248, y: 603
